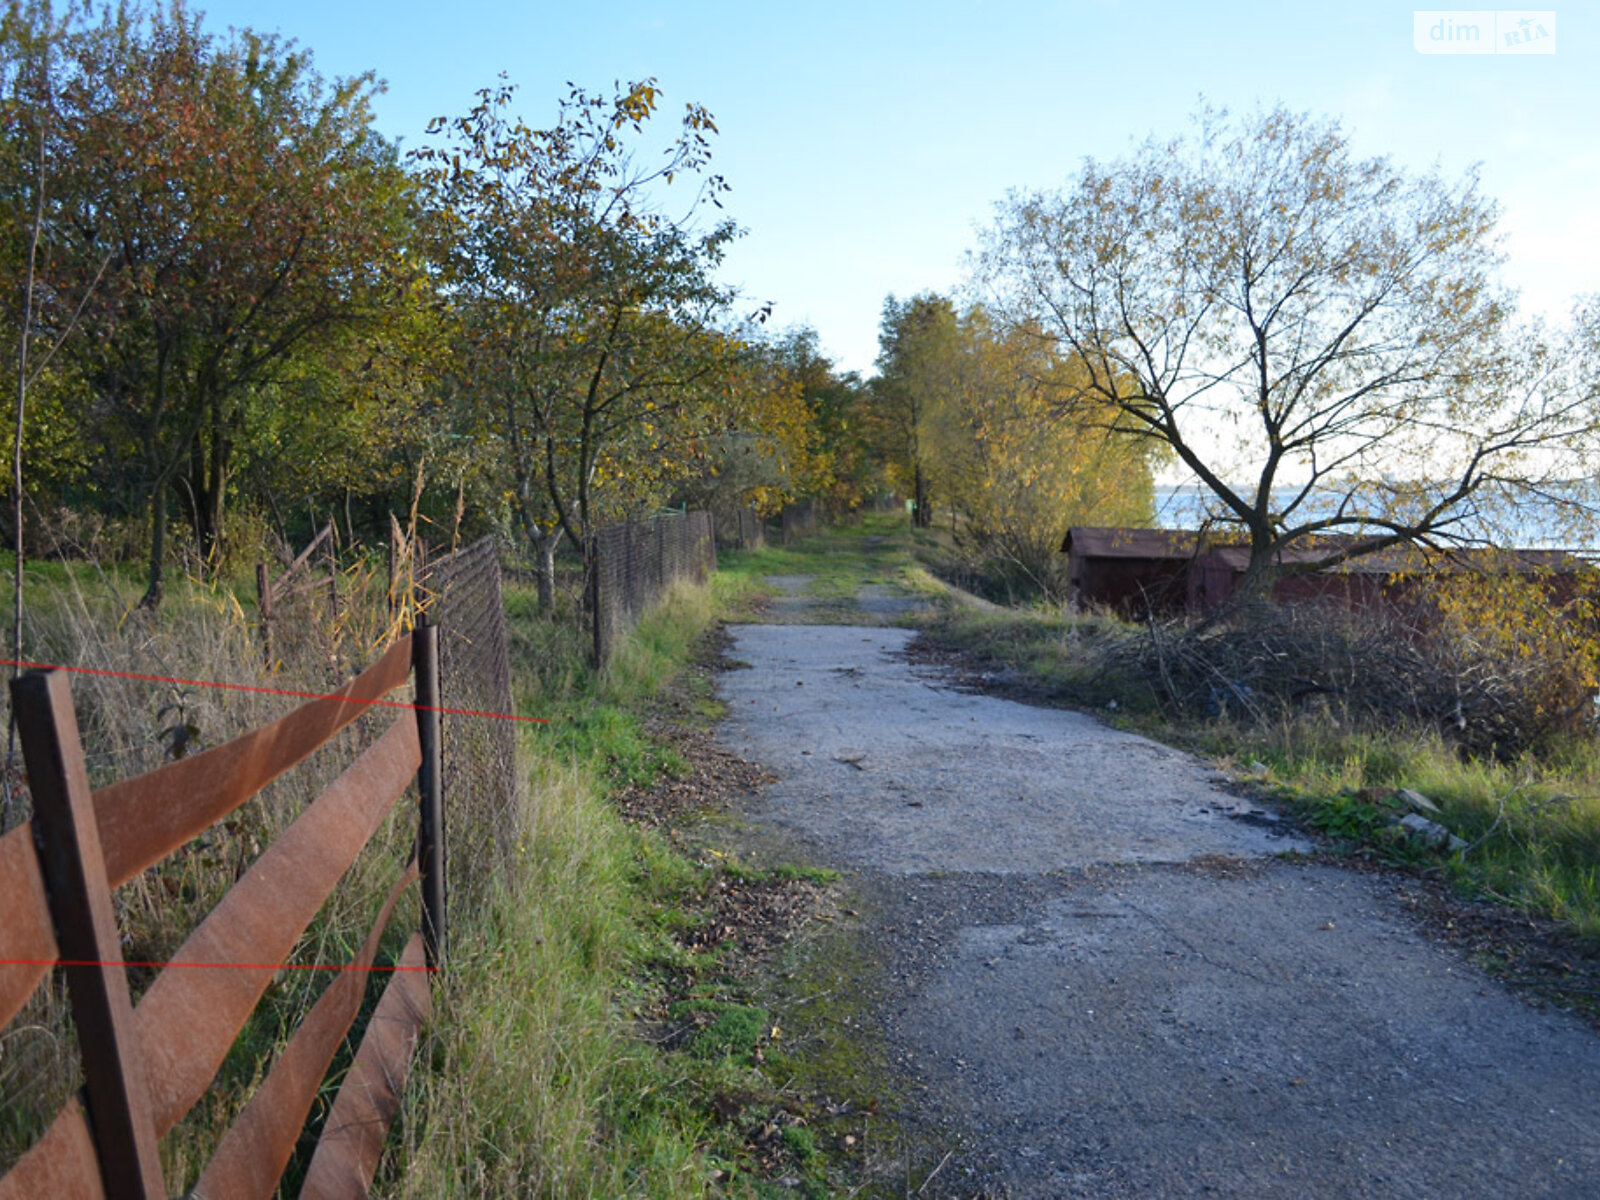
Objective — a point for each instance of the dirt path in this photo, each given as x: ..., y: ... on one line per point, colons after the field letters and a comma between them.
x: 1100, y: 976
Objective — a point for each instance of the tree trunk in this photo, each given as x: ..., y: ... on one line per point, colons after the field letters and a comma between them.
x: 546, y: 575
x: 544, y: 548
x: 208, y: 487
x: 1255, y: 585
x: 216, y: 498
x: 921, y: 510
x: 158, y: 546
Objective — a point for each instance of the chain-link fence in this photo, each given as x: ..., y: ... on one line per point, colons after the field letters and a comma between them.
x: 480, y: 775
x: 297, y: 613
x: 634, y: 564
x: 740, y: 529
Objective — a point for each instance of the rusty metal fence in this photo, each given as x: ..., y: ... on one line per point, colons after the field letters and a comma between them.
x: 147, y: 1064
x: 463, y: 592
x: 634, y: 563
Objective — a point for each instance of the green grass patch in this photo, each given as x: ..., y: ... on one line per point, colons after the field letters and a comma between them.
x: 875, y: 550
x: 782, y: 872
x: 736, y: 1033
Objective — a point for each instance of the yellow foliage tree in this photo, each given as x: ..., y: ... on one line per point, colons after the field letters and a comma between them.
x: 1015, y: 469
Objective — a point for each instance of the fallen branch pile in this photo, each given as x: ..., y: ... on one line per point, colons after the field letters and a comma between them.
x: 1368, y: 668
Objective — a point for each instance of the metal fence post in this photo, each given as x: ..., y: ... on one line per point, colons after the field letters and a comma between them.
x: 430, y: 826
x: 74, y: 870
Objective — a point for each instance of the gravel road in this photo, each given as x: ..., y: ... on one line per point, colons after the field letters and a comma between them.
x: 1105, y: 980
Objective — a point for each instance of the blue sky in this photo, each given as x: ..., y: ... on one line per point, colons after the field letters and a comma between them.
x: 866, y: 142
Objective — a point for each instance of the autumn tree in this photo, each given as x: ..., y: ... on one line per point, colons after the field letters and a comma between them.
x: 838, y: 407
x: 1319, y: 338
x: 1017, y: 472
x: 915, y: 337
x: 767, y: 442
x: 240, y: 207
x: 592, y: 350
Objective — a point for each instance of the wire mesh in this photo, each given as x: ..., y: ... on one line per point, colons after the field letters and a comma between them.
x: 480, y: 778
x: 635, y: 563
x: 740, y: 529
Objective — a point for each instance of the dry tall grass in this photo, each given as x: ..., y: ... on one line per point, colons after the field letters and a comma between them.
x: 81, y: 617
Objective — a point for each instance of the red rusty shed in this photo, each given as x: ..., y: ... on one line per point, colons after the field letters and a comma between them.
x: 1132, y: 570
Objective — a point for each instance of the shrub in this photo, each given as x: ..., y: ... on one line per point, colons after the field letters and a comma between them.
x: 1492, y: 661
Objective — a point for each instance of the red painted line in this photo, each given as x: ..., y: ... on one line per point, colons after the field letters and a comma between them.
x: 245, y: 687
x: 74, y: 962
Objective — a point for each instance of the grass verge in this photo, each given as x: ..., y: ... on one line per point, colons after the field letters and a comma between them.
x: 603, y: 1030
x: 589, y: 1036
x: 873, y: 552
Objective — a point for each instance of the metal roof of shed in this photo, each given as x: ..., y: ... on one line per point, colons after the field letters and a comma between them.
x: 1095, y: 541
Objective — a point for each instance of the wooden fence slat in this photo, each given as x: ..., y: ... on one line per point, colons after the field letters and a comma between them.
x: 346, y: 1158
x: 251, y: 1157
x: 60, y: 1165
x: 74, y: 871
x: 27, y: 942
x: 144, y: 819
x: 188, y: 1019
x: 303, y: 558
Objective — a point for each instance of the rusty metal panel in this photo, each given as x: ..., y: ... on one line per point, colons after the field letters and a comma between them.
x: 60, y: 1165
x: 27, y: 940
x: 189, y: 1018
x: 144, y: 819
x: 252, y: 1155
x: 346, y: 1158
x: 1093, y: 541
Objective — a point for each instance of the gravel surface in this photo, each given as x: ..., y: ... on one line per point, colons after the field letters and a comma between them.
x: 1104, y: 980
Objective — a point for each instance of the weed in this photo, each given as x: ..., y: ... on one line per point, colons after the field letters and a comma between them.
x: 737, y: 1033
x: 801, y: 1143
x: 789, y: 873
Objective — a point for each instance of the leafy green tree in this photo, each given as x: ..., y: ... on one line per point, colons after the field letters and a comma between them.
x: 33, y: 43
x: 1319, y: 339
x: 590, y: 341
x: 838, y: 407
x: 347, y: 425
x: 241, y: 209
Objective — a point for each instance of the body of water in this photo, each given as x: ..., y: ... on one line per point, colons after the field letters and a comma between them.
x: 1529, y: 525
